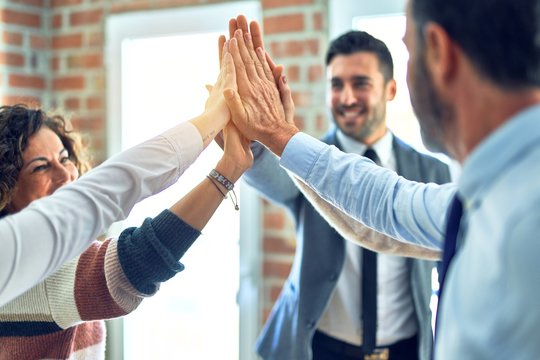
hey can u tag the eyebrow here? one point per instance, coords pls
(42, 158)
(353, 78)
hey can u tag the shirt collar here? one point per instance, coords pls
(494, 155)
(383, 147)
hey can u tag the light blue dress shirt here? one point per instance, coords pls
(490, 307)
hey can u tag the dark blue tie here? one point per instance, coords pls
(369, 287)
(450, 240)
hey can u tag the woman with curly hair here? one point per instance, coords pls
(17, 125)
(62, 317)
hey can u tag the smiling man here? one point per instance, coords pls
(367, 304)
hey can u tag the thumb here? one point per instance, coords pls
(221, 44)
(277, 72)
(234, 103)
(285, 95)
(219, 140)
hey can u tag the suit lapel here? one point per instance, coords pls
(407, 161)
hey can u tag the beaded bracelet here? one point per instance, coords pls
(216, 186)
(221, 179)
(216, 176)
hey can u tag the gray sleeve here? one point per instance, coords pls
(269, 178)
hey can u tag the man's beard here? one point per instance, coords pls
(433, 115)
(372, 123)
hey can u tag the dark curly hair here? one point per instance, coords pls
(17, 124)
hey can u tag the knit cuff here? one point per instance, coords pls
(150, 254)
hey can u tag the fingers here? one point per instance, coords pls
(259, 66)
(256, 34)
(277, 72)
(238, 113)
(230, 71)
(253, 39)
(269, 60)
(285, 95)
(220, 140)
(267, 72)
(247, 58)
(232, 27)
(242, 23)
(239, 23)
(221, 44)
(242, 77)
(224, 48)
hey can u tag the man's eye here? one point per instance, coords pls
(361, 85)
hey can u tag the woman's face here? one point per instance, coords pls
(46, 167)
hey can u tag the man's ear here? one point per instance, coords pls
(441, 55)
(390, 90)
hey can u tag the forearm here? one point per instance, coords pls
(377, 197)
(38, 240)
(355, 231)
(197, 207)
(210, 123)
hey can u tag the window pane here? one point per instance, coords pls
(194, 315)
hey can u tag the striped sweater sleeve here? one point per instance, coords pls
(110, 279)
(150, 254)
(55, 319)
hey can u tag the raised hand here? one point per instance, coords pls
(241, 23)
(237, 155)
(226, 79)
(257, 109)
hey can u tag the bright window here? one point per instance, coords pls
(158, 65)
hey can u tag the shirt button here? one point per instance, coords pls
(310, 324)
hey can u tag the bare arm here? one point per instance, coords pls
(198, 206)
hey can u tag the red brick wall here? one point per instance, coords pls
(296, 36)
(23, 52)
(52, 54)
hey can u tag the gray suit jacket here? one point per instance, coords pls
(320, 254)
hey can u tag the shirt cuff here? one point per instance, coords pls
(301, 153)
(186, 141)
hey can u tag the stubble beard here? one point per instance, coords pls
(433, 115)
(371, 125)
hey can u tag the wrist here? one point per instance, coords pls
(230, 169)
(278, 140)
(210, 123)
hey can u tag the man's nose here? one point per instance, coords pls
(348, 96)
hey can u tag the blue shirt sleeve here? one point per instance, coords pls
(379, 198)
